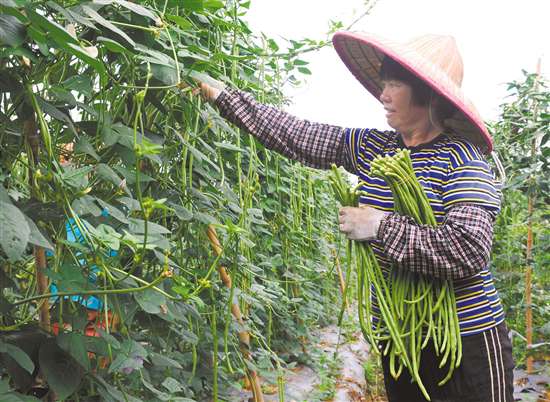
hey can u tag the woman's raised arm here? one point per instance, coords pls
(312, 144)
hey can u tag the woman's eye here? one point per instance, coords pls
(391, 84)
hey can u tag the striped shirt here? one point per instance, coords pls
(458, 182)
(455, 177)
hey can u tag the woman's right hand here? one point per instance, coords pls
(209, 88)
(209, 92)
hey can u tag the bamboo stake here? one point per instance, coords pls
(42, 286)
(244, 336)
(529, 249)
(341, 281)
(30, 133)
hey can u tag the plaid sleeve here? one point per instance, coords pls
(458, 248)
(313, 144)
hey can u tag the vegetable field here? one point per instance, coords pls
(151, 251)
(133, 213)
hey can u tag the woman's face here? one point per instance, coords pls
(401, 112)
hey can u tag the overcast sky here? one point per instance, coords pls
(497, 39)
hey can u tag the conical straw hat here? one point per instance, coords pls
(435, 59)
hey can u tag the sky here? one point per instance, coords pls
(497, 39)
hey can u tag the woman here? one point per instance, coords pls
(418, 84)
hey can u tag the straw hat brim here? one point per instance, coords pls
(363, 53)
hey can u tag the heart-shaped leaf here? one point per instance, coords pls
(60, 369)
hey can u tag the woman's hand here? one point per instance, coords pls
(209, 88)
(360, 223)
(209, 92)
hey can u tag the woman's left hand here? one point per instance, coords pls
(360, 223)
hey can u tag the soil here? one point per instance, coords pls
(302, 382)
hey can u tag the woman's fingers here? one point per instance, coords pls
(345, 224)
(346, 210)
(208, 92)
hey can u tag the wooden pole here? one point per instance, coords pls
(244, 336)
(341, 280)
(31, 135)
(529, 248)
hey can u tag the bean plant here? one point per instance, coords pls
(124, 197)
(522, 139)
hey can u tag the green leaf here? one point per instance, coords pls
(193, 5)
(213, 4)
(8, 3)
(70, 278)
(107, 24)
(56, 31)
(96, 345)
(163, 396)
(79, 83)
(62, 372)
(10, 83)
(108, 236)
(150, 301)
(182, 22)
(112, 45)
(112, 394)
(86, 205)
(40, 38)
(113, 211)
(110, 339)
(63, 96)
(76, 177)
(14, 231)
(138, 226)
(4, 386)
(56, 113)
(160, 360)
(139, 10)
(12, 31)
(17, 397)
(228, 146)
(130, 357)
(189, 337)
(131, 203)
(107, 173)
(79, 52)
(36, 237)
(74, 344)
(181, 212)
(83, 145)
(304, 70)
(130, 176)
(71, 15)
(5, 281)
(172, 385)
(18, 355)
(207, 219)
(165, 74)
(77, 246)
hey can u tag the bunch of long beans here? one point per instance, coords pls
(414, 310)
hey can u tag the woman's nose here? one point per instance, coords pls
(384, 97)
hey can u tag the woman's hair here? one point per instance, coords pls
(422, 94)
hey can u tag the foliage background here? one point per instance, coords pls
(100, 129)
(102, 134)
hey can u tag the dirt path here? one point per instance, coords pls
(302, 383)
(351, 385)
